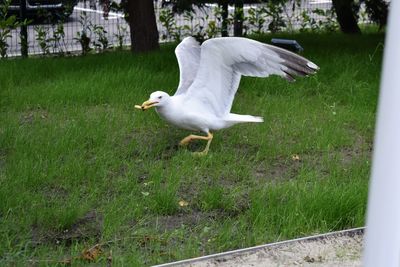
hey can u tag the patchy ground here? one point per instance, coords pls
(85, 228)
(85, 178)
(339, 249)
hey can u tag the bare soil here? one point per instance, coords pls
(338, 249)
(89, 226)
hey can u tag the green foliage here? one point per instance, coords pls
(256, 18)
(120, 35)
(239, 17)
(120, 6)
(202, 29)
(101, 40)
(59, 38)
(7, 24)
(51, 37)
(199, 29)
(84, 35)
(329, 24)
(377, 11)
(218, 14)
(167, 20)
(42, 36)
(212, 29)
(307, 22)
(268, 17)
(274, 10)
(272, 16)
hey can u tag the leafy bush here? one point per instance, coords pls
(167, 20)
(201, 28)
(377, 11)
(58, 38)
(42, 36)
(7, 24)
(120, 35)
(275, 10)
(329, 24)
(101, 41)
(84, 35)
(256, 18)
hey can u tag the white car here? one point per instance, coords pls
(35, 8)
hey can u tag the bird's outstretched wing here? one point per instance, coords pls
(224, 60)
(188, 55)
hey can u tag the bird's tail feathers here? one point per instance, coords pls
(236, 118)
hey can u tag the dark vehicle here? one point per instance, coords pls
(43, 8)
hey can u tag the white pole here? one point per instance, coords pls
(382, 244)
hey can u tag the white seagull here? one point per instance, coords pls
(209, 78)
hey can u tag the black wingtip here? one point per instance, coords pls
(288, 76)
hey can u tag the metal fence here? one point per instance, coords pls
(294, 15)
(100, 31)
(64, 37)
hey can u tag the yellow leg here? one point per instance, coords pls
(192, 137)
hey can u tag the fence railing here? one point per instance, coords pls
(90, 28)
(305, 15)
(86, 28)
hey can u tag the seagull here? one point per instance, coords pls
(209, 79)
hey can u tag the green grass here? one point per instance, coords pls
(80, 166)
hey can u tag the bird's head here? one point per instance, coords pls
(157, 99)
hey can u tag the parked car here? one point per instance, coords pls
(41, 8)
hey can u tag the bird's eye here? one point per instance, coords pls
(159, 97)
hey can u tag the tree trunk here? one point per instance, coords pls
(143, 26)
(238, 18)
(345, 16)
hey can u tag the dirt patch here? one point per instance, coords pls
(30, 116)
(2, 159)
(26, 118)
(120, 171)
(348, 154)
(88, 227)
(130, 137)
(186, 190)
(55, 192)
(239, 201)
(247, 149)
(150, 136)
(190, 219)
(286, 168)
(169, 151)
(280, 169)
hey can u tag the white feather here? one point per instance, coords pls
(224, 60)
(188, 56)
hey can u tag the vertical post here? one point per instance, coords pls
(238, 18)
(224, 26)
(24, 30)
(382, 243)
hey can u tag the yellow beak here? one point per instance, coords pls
(148, 104)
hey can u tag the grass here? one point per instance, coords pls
(80, 166)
